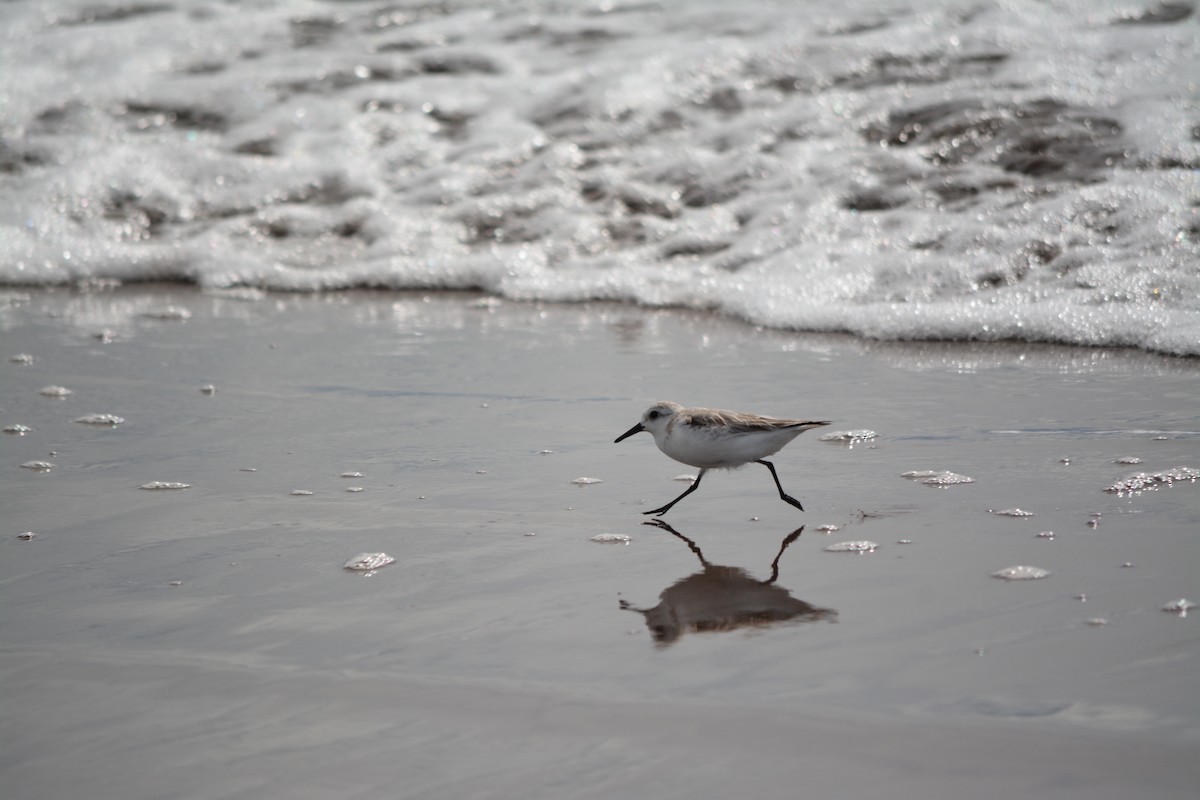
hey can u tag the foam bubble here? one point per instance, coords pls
(848, 437)
(1012, 512)
(1147, 482)
(368, 562)
(1180, 606)
(862, 546)
(103, 420)
(937, 478)
(177, 313)
(612, 538)
(1021, 573)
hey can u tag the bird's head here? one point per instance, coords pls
(654, 419)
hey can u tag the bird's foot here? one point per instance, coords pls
(787, 498)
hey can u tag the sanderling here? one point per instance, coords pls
(709, 438)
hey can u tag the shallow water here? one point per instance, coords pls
(151, 637)
(950, 170)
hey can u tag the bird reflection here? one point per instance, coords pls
(724, 599)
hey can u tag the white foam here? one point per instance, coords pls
(612, 538)
(1021, 573)
(862, 546)
(103, 420)
(368, 562)
(781, 163)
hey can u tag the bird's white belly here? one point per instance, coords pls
(719, 450)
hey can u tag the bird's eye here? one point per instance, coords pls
(652, 415)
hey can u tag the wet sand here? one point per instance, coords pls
(207, 642)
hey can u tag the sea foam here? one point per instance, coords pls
(1006, 171)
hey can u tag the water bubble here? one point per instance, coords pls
(1127, 460)
(612, 538)
(1096, 622)
(354, 489)
(157, 486)
(1181, 606)
(827, 528)
(208, 388)
(168, 313)
(586, 481)
(17, 430)
(1012, 512)
(21, 358)
(27, 536)
(55, 391)
(947, 479)
(685, 478)
(1021, 573)
(931, 477)
(861, 546)
(1143, 482)
(301, 492)
(38, 466)
(109, 420)
(850, 438)
(367, 563)
(1046, 535)
(351, 475)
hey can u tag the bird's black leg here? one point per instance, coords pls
(689, 490)
(784, 496)
(791, 537)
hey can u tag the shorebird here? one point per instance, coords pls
(710, 438)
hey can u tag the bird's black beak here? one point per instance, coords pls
(635, 429)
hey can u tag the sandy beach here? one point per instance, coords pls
(207, 642)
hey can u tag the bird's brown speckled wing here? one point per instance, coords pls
(738, 422)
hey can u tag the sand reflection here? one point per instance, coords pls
(721, 598)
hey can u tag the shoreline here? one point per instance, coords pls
(486, 296)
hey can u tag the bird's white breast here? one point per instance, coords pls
(718, 447)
